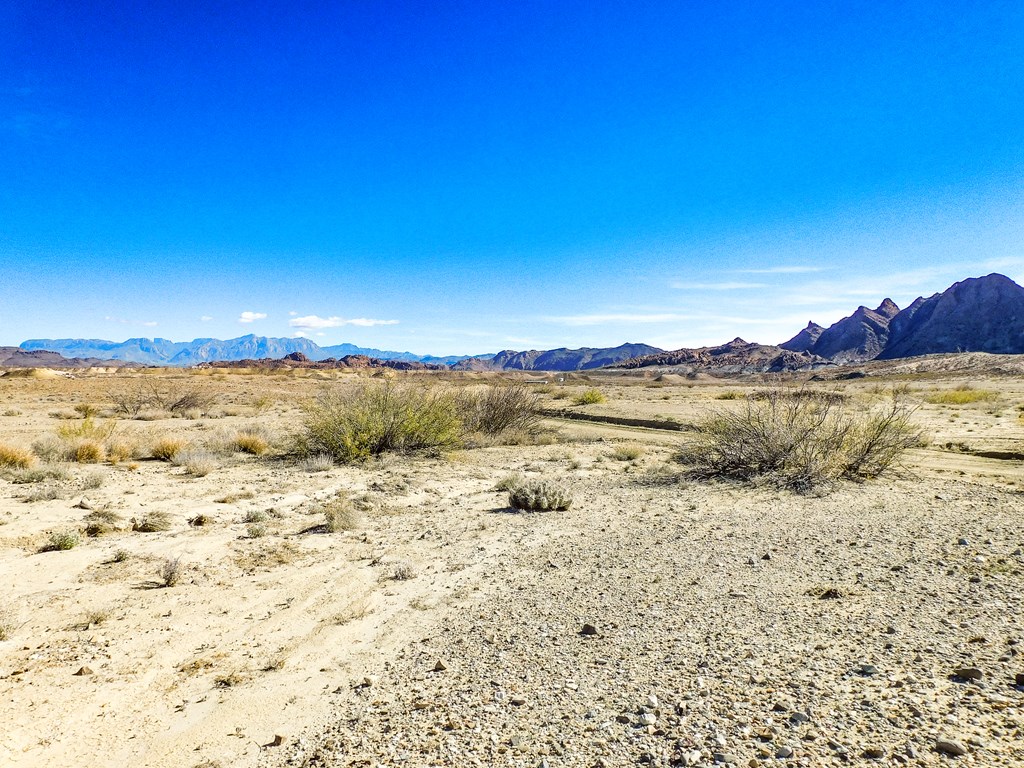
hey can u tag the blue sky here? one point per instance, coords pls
(456, 177)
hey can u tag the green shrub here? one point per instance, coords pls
(589, 397)
(496, 410)
(370, 419)
(962, 395)
(61, 541)
(801, 442)
(539, 496)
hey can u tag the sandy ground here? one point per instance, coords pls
(444, 630)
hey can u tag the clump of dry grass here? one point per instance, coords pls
(195, 463)
(340, 514)
(88, 451)
(166, 448)
(320, 462)
(15, 458)
(627, 452)
(801, 443)
(539, 496)
(403, 571)
(251, 442)
(171, 571)
(60, 541)
(7, 624)
(153, 522)
(100, 522)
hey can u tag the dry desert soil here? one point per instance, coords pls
(659, 621)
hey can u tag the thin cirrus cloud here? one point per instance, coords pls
(248, 317)
(726, 286)
(602, 319)
(795, 269)
(315, 322)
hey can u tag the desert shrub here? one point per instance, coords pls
(508, 482)
(6, 624)
(167, 397)
(122, 449)
(101, 522)
(370, 419)
(627, 452)
(86, 410)
(800, 393)
(255, 516)
(170, 571)
(46, 492)
(495, 410)
(729, 394)
(121, 556)
(37, 475)
(539, 496)
(87, 429)
(195, 463)
(320, 462)
(589, 397)
(50, 448)
(962, 395)
(251, 443)
(90, 481)
(88, 451)
(166, 448)
(801, 443)
(15, 458)
(341, 515)
(61, 541)
(153, 522)
(256, 530)
(403, 571)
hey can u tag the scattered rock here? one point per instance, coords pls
(783, 752)
(588, 629)
(440, 666)
(83, 671)
(968, 673)
(950, 747)
(874, 753)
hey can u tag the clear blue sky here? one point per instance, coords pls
(485, 175)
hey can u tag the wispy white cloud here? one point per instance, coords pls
(619, 318)
(314, 322)
(206, 318)
(248, 317)
(724, 286)
(149, 323)
(794, 269)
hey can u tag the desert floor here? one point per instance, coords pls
(725, 623)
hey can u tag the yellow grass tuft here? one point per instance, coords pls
(15, 458)
(166, 448)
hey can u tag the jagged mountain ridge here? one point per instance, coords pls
(861, 336)
(736, 356)
(185, 353)
(562, 359)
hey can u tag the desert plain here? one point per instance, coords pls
(199, 611)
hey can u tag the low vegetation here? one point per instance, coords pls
(962, 395)
(589, 397)
(358, 422)
(340, 514)
(539, 496)
(800, 442)
(15, 458)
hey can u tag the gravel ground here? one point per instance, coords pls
(663, 623)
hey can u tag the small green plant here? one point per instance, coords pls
(255, 516)
(121, 556)
(61, 541)
(256, 530)
(589, 397)
(87, 410)
(539, 496)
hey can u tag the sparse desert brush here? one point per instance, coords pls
(729, 394)
(498, 410)
(88, 451)
(589, 397)
(627, 452)
(354, 423)
(12, 412)
(508, 482)
(251, 443)
(171, 571)
(539, 496)
(122, 448)
(101, 522)
(195, 463)
(15, 458)
(402, 571)
(60, 541)
(962, 395)
(256, 530)
(90, 481)
(46, 492)
(6, 624)
(37, 475)
(320, 462)
(801, 443)
(87, 429)
(255, 516)
(167, 397)
(153, 522)
(166, 448)
(50, 448)
(120, 556)
(340, 514)
(86, 410)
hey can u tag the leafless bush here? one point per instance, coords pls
(801, 443)
(341, 515)
(496, 410)
(170, 571)
(171, 397)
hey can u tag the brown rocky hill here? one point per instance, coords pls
(737, 356)
(861, 336)
(981, 314)
(562, 359)
(16, 357)
(804, 340)
(299, 360)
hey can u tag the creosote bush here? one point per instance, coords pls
(801, 443)
(589, 397)
(370, 419)
(539, 496)
(496, 410)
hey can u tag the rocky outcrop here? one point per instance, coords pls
(861, 336)
(561, 359)
(804, 340)
(738, 356)
(981, 314)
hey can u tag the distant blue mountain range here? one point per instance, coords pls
(185, 353)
